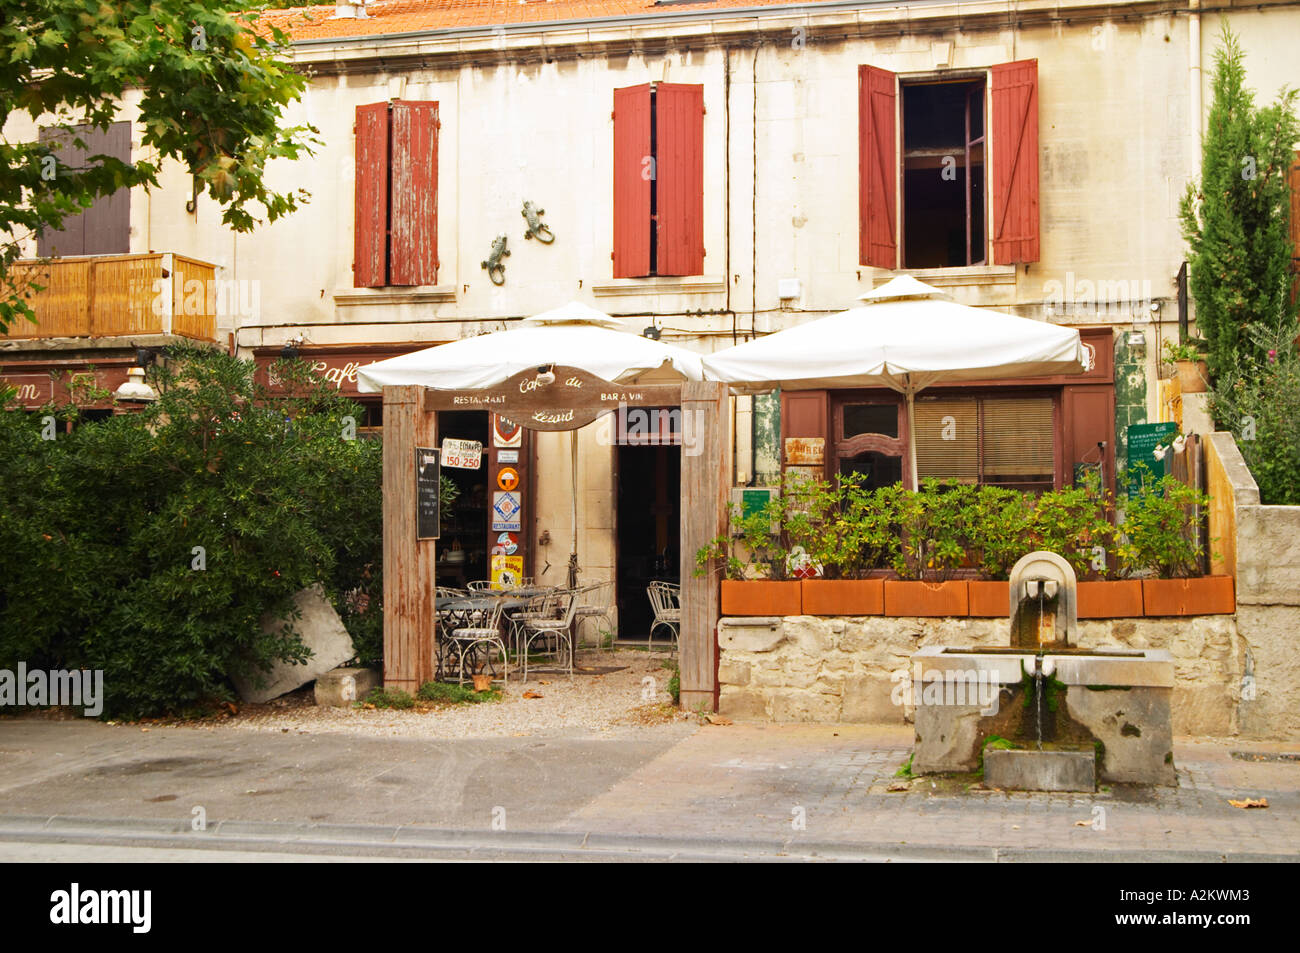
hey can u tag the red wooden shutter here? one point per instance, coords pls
(413, 195)
(877, 168)
(679, 126)
(632, 172)
(1015, 162)
(370, 225)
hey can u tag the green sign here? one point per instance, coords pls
(752, 501)
(1142, 463)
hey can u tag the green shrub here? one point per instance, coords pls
(1158, 530)
(455, 694)
(390, 698)
(1072, 522)
(98, 530)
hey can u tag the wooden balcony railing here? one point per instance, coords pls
(119, 296)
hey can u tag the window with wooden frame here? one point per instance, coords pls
(658, 180)
(395, 229)
(949, 215)
(1005, 440)
(870, 437)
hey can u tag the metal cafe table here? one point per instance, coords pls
(459, 611)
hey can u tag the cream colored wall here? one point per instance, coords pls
(1114, 158)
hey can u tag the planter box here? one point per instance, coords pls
(989, 599)
(1200, 595)
(909, 598)
(843, 596)
(1111, 599)
(760, 597)
(1191, 377)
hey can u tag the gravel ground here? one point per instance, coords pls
(589, 702)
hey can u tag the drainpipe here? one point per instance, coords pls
(1194, 78)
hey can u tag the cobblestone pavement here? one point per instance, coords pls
(831, 784)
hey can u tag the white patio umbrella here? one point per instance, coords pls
(573, 335)
(907, 336)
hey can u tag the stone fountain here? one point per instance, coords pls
(1042, 713)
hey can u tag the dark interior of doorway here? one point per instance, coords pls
(649, 531)
(462, 550)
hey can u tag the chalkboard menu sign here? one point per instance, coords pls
(428, 479)
(1143, 467)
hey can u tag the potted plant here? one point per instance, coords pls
(1188, 359)
(1158, 541)
(754, 564)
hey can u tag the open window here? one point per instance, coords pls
(960, 181)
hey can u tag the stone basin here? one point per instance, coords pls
(1115, 699)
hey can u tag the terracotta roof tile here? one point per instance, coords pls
(403, 16)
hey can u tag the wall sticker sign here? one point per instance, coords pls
(508, 478)
(507, 456)
(505, 432)
(505, 512)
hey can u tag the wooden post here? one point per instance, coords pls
(409, 565)
(705, 479)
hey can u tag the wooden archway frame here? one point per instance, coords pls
(574, 399)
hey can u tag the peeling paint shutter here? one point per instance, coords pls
(370, 225)
(877, 168)
(1015, 162)
(679, 125)
(632, 171)
(413, 194)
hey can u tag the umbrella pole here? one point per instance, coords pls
(573, 513)
(911, 437)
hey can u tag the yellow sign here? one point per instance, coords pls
(507, 571)
(508, 478)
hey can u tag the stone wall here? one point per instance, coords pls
(809, 668)
(1266, 557)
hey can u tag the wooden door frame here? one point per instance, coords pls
(410, 420)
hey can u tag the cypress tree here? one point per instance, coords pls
(1236, 220)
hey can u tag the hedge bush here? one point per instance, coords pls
(99, 528)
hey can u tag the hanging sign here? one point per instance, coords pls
(505, 512)
(463, 454)
(565, 398)
(505, 433)
(508, 478)
(428, 480)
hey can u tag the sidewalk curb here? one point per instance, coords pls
(443, 843)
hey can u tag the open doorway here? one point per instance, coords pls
(462, 550)
(649, 531)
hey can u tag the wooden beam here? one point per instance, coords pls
(409, 565)
(705, 479)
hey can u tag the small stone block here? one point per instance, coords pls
(340, 687)
(1033, 770)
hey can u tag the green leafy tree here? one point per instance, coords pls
(1236, 219)
(151, 545)
(209, 89)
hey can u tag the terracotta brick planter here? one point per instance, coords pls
(909, 598)
(989, 599)
(843, 596)
(1110, 599)
(1201, 595)
(760, 597)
